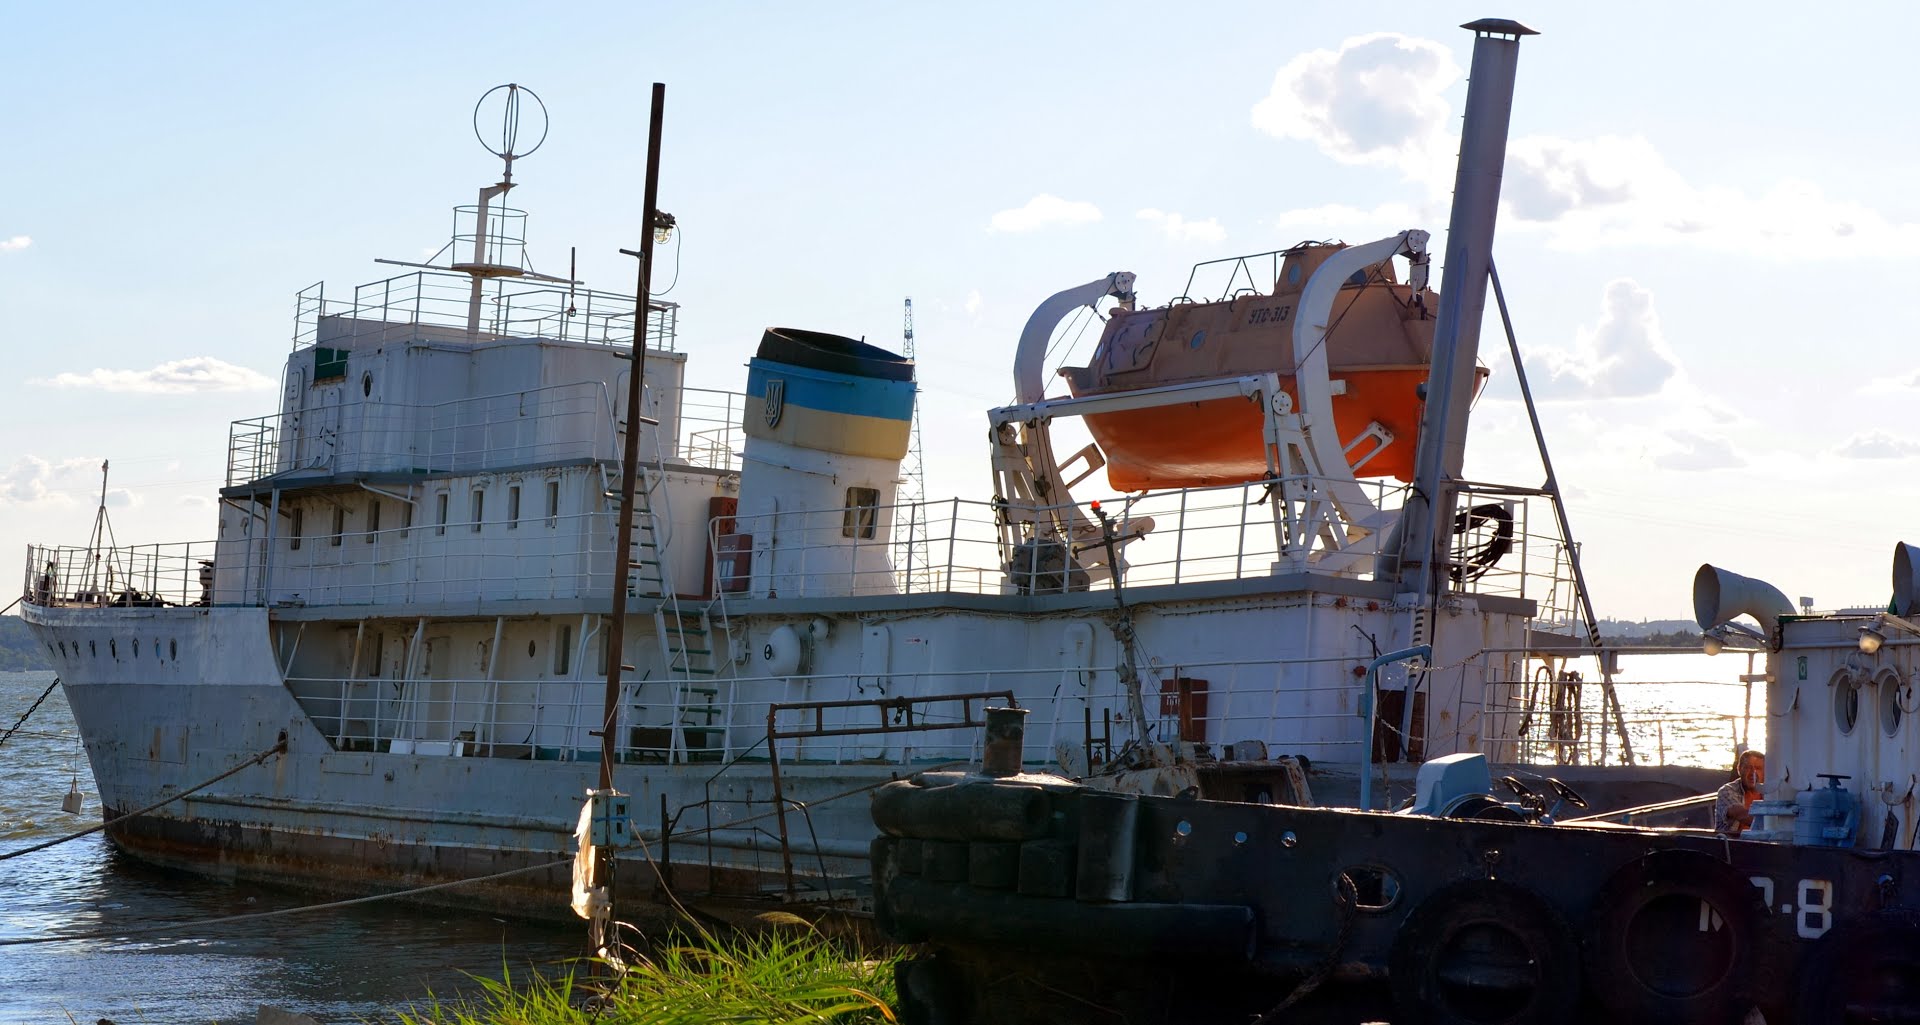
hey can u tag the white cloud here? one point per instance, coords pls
(1376, 101)
(1623, 355)
(179, 377)
(972, 305)
(1180, 229)
(16, 242)
(1698, 452)
(1878, 444)
(32, 479)
(1045, 210)
(1616, 190)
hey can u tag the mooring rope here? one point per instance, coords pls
(278, 748)
(22, 721)
(107, 934)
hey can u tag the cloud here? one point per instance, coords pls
(32, 479)
(1375, 101)
(16, 242)
(1617, 190)
(972, 305)
(1624, 355)
(1698, 452)
(1045, 210)
(179, 377)
(1180, 229)
(1878, 444)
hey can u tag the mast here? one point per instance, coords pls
(1463, 300)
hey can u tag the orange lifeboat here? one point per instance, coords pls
(1379, 344)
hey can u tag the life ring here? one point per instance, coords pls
(1483, 952)
(1672, 939)
(1865, 969)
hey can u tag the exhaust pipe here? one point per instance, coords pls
(1719, 596)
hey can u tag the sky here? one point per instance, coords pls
(1702, 236)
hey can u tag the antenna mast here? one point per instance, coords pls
(913, 480)
(486, 263)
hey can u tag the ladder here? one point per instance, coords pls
(684, 633)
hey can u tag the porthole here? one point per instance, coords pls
(366, 383)
(1891, 693)
(1846, 702)
(136, 647)
(93, 649)
(529, 649)
(1183, 828)
(1293, 274)
(173, 649)
(63, 649)
(49, 649)
(156, 647)
(1199, 338)
(113, 649)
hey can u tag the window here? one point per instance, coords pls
(479, 508)
(379, 650)
(553, 503)
(562, 648)
(863, 513)
(339, 525)
(513, 507)
(298, 527)
(406, 518)
(440, 507)
(373, 519)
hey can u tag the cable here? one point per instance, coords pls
(279, 748)
(144, 930)
(679, 240)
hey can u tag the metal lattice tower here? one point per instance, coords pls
(910, 514)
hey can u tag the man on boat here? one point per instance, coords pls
(1730, 814)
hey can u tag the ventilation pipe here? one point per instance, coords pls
(1719, 596)
(1906, 579)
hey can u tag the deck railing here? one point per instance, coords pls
(435, 305)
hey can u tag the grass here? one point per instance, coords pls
(774, 978)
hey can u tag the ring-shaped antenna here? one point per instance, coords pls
(510, 122)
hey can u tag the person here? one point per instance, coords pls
(1730, 814)
(43, 588)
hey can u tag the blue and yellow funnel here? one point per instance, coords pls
(819, 391)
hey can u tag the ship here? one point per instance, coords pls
(459, 574)
(1033, 896)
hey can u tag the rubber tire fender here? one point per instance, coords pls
(1417, 970)
(1876, 957)
(1658, 877)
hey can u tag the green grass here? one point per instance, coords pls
(774, 979)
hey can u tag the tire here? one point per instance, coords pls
(1864, 970)
(1673, 940)
(1483, 952)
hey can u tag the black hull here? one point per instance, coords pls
(1156, 909)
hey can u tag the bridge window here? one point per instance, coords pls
(339, 525)
(440, 513)
(513, 507)
(373, 519)
(299, 527)
(553, 503)
(562, 648)
(479, 508)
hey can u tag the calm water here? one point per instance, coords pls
(339, 966)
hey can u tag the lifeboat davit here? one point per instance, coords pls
(1379, 344)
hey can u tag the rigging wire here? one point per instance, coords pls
(278, 748)
(108, 934)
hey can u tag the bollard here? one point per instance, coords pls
(1006, 736)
